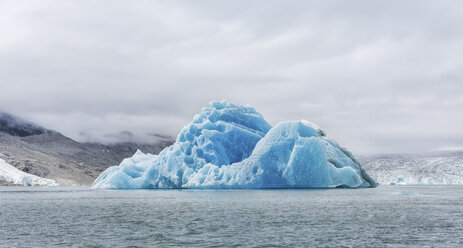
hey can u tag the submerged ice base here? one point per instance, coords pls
(232, 146)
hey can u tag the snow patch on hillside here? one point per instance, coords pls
(9, 173)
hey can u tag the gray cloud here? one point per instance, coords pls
(377, 76)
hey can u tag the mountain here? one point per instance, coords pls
(16, 126)
(430, 168)
(49, 154)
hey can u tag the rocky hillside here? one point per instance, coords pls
(49, 154)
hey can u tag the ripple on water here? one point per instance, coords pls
(78, 217)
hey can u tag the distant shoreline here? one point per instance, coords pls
(5, 183)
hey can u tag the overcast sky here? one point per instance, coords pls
(377, 76)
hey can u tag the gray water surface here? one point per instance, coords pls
(387, 216)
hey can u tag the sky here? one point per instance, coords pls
(377, 76)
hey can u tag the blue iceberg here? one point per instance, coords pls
(232, 146)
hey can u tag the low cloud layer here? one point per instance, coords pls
(379, 77)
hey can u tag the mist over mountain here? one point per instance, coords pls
(16, 126)
(49, 154)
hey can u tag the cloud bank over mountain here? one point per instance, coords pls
(378, 76)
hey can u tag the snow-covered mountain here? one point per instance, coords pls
(46, 153)
(431, 168)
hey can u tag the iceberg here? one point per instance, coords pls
(232, 146)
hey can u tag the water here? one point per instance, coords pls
(387, 216)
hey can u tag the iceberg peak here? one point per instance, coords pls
(232, 146)
(139, 153)
(314, 126)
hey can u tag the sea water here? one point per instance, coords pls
(387, 216)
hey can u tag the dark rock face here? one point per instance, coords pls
(17, 127)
